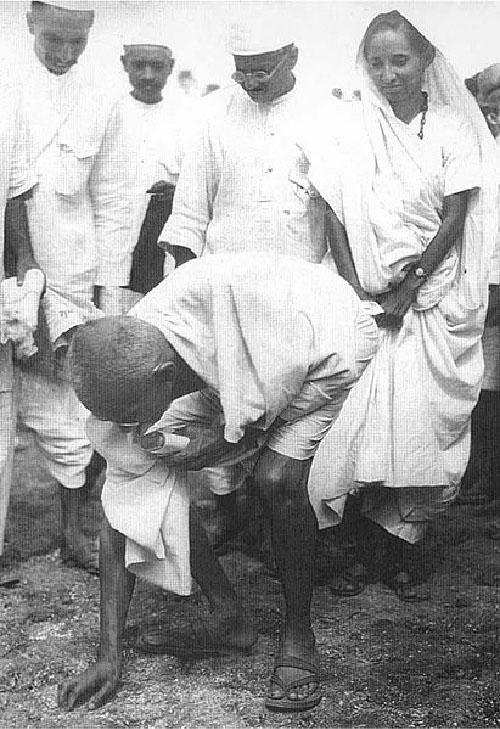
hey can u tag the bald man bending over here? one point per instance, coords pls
(273, 345)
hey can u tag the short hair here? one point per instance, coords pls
(393, 20)
(110, 358)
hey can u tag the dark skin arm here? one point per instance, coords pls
(99, 682)
(181, 255)
(341, 252)
(493, 314)
(17, 236)
(398, 300)
(207, 447)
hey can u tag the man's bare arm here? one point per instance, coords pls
(99, 682)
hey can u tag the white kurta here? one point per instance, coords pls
(243, 184)
(78, 204)
(77, 207)
(149, 140)
(15, 178)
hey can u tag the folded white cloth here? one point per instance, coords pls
(147, 502)
(19, 311)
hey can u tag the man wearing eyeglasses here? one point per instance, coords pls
(243, 185)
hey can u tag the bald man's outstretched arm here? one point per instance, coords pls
(99, 682)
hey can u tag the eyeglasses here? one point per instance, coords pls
(261, 77)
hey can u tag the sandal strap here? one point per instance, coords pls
(301, 664)
(287, 686)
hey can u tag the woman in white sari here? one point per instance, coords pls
(412, 222)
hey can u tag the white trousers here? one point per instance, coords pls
(51, 410)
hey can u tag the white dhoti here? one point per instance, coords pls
(148, 501)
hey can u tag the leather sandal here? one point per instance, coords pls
(286, 704)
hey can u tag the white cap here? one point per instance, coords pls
(253, 41)
(83, 6)
(145, 36)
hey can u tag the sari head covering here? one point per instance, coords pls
(372, 144)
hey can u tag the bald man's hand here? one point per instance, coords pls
(96, 685)
(207, 447)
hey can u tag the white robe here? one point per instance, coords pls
(223, 315)
(149, 140)
(78, 202)
(243, 184)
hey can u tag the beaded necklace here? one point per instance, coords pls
(423, 111)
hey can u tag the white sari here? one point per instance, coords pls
(405, 424)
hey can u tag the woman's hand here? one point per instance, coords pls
(396, 303)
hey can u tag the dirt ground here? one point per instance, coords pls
(384, 663)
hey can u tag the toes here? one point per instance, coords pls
(276, 694)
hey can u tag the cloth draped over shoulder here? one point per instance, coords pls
(269, 335)
(406, 422)
(230, 322)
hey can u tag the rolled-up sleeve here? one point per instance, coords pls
(194, 195)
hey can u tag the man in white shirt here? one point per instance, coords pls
(265, 404)
(77, 209)
(243, 184)
(16, 183)
(149, 142)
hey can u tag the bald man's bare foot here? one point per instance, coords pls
(78, 550)
(218, 636)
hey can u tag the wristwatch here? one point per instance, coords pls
(420, 273)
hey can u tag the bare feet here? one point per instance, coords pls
(79, 550)
(235, 630)
(223, 635)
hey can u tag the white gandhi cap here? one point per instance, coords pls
(82, 6)
(145, 36)
(253, 41)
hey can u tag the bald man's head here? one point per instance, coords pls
(122, 369)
